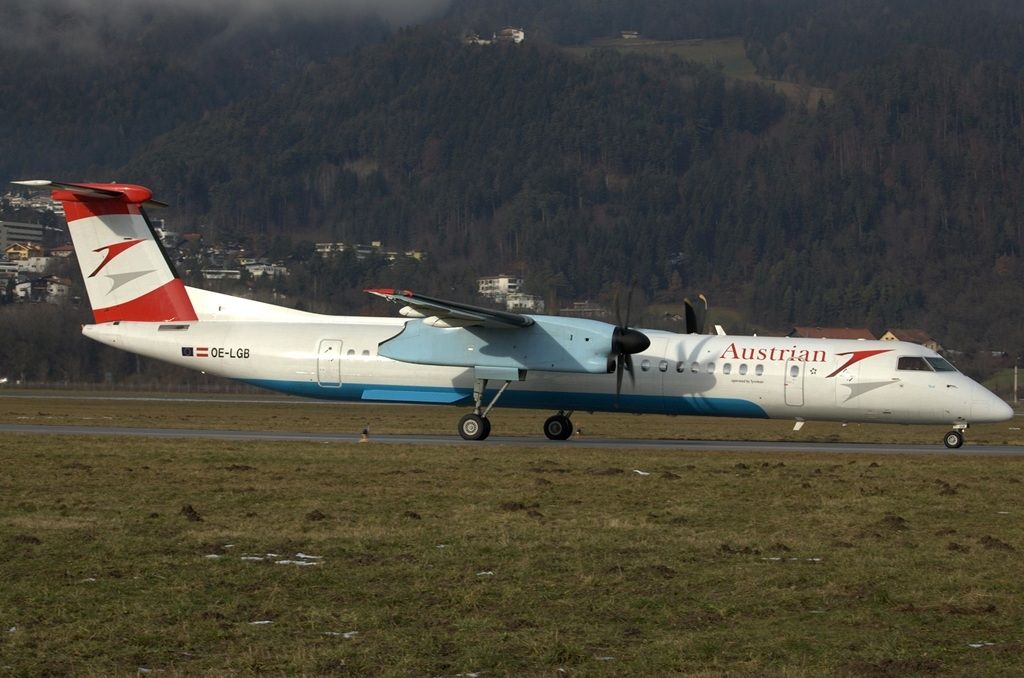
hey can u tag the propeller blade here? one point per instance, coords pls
(629, 366)
(618, 379)
(696, 315)
(626, 342)
(701, 311)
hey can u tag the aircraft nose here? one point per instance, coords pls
(990, 409)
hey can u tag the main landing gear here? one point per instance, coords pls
(955, 438)
(558, 427)
(476, 425)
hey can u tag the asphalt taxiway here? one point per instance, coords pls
(520, 441)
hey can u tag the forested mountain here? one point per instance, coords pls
(894, 199)
(83, 85)
(897, 203)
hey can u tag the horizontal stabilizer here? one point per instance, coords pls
(127, 192)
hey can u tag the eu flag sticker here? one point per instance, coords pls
(186, 351)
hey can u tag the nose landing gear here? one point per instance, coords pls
(955, 438)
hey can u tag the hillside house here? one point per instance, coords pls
(258, 270)
(914, 336)
(34, 264)
(585, 309)
(498, 287)
(329, 249)
(8, 269)
(518, 302)
(510, 34)
(807, 332)
(21, 251)
(50, 289)
(221, 274)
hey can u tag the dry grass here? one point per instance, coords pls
(713, 564)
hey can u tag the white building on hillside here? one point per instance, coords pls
(498, 287)
(517, 302)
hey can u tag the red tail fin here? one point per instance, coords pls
(127, 273)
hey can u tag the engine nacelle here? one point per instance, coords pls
(550, 344)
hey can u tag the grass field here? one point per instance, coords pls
(123, 555)
(728, 54)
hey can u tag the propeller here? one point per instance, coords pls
(696, 315)
(626, 342)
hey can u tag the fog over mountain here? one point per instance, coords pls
(69, 25)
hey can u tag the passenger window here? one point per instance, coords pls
(645, 364)
(351, 351)
(711, 368)
(759, 370)
(794, 371)
(695, 368)
(663, 365)
(680, 366)
(727, 368)
(366, 352)
(743, 368)
(913, 362)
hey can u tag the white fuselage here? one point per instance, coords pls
(336, 357)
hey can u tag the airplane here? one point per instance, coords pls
(449, 353)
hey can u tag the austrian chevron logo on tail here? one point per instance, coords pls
(112, 251)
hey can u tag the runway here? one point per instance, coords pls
(521, 441)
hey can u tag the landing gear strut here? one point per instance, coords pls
(477, 426)
(558, 427)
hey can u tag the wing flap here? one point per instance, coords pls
(458, 314)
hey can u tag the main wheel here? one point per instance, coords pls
(954, 439)
(474, 427)
(558, 427)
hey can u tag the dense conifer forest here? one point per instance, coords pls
(891, 196)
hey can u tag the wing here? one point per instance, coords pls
(441, 313)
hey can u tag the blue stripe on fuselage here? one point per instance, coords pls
(552, 400)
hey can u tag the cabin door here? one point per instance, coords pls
(328, 363)
(794, 383)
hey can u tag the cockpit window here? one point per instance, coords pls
(913, 362)
(940, 365)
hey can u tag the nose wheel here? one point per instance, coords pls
(558, 427)
(954, 439)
